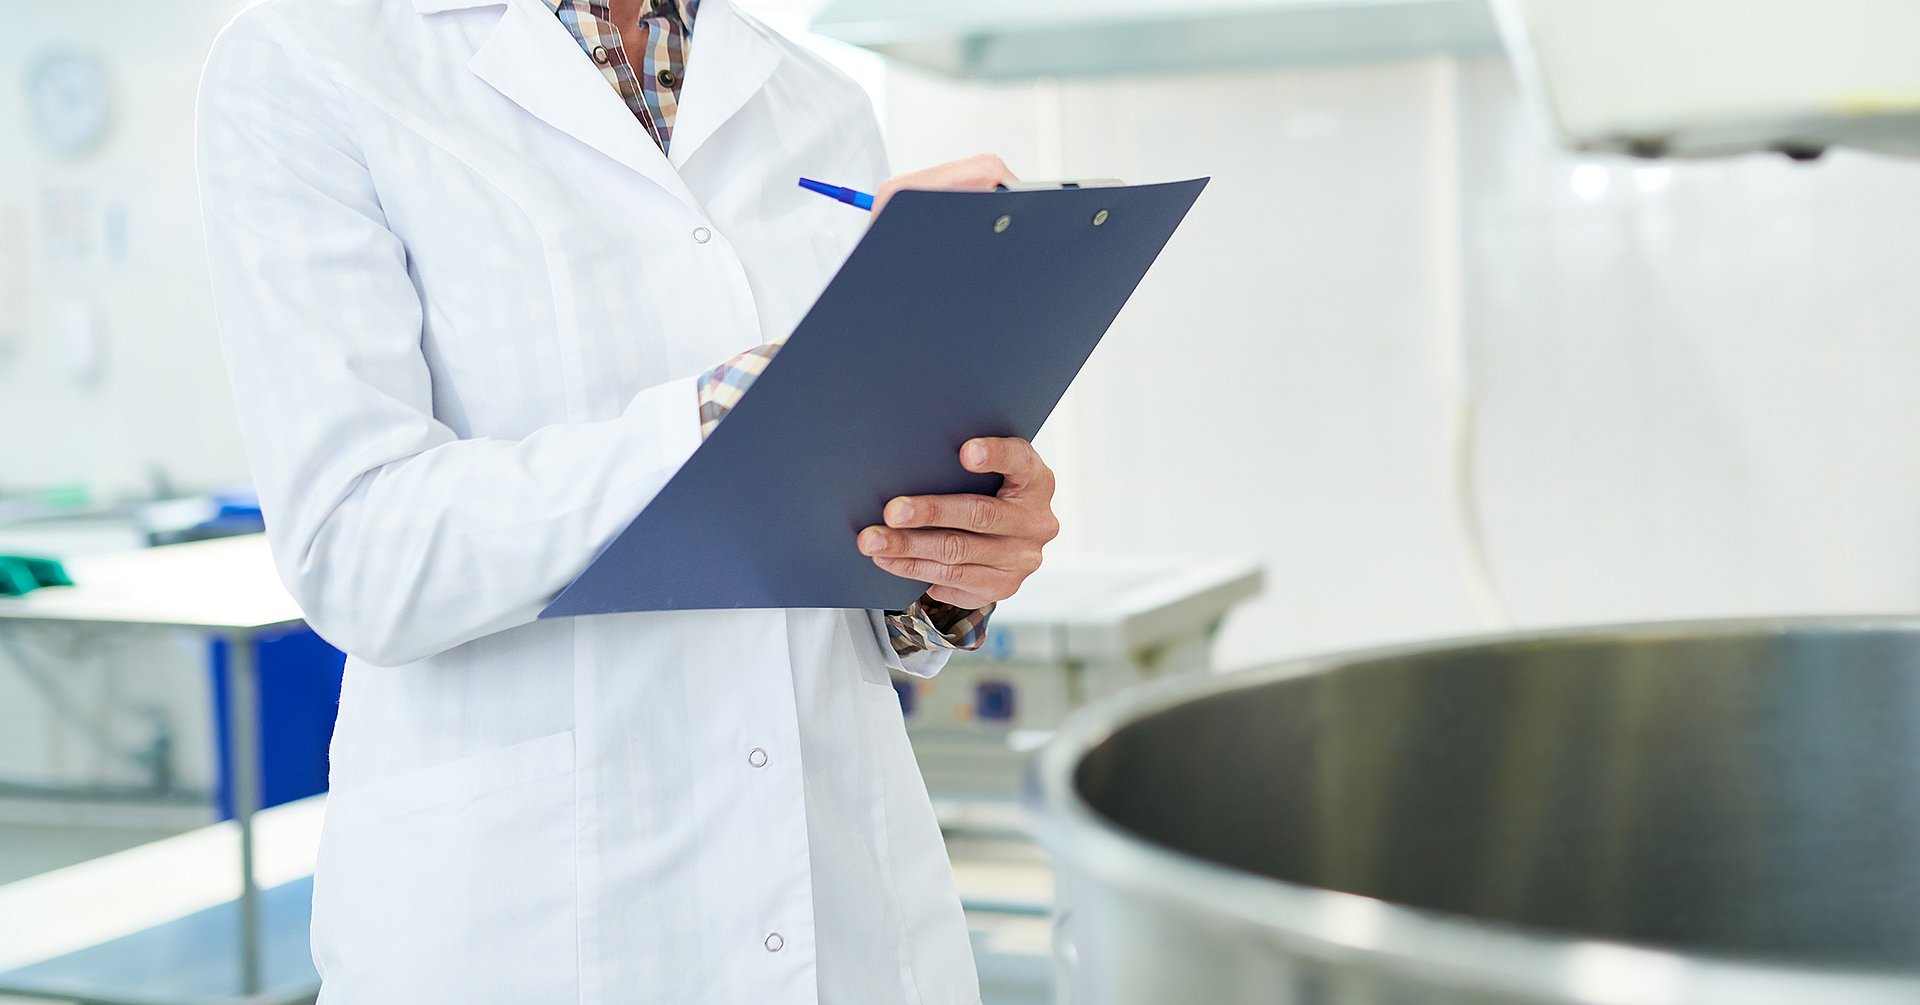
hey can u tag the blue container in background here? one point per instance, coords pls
(299, 696)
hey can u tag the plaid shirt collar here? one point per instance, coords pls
(685, 8)
(644, 62)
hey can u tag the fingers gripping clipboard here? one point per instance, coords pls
(959, 314)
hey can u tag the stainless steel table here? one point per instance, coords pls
(229, 590)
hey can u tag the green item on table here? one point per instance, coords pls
(23, 574)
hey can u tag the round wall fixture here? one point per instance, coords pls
(68, 99)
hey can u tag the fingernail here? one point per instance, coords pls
(976, 452)
(871, 541)
(899, 510)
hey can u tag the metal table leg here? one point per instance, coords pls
(243, 744)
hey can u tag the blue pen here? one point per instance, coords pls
(849, 196)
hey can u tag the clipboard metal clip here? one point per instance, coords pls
(1043, 186)
(1000, 225)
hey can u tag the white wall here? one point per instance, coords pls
(115, 232)
(1702, 386)
(1695, 400)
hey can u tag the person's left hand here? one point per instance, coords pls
(974, 550)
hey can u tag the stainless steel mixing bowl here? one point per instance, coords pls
(1692, 813)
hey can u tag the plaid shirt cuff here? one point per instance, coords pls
(722, 386)
(930, 624)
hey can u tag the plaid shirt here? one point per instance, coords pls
(652, 90)
(653, 93)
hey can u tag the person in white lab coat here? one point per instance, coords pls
(482, 268)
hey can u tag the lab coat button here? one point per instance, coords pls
(774, 942)
(757, 757)
(702, 235)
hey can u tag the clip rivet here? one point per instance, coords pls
(1099, 218)
(1000, 226)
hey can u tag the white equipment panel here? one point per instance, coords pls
(1079, 629)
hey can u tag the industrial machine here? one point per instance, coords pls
(1658, 78)
(1693, 814)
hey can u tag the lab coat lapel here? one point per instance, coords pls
(729, 61)
(532, 59)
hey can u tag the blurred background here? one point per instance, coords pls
(1408, 371)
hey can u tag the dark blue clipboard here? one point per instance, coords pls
(943, 325)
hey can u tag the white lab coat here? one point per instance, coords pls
(464, 298)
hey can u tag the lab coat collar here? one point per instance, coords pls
(534, 61)
(728, 62)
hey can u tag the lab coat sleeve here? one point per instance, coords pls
(399, 539)
(926, 662)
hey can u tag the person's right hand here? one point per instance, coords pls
(979, 173)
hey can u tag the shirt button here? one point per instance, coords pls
(702, 235)
(600, 54)
(666, 78)
(757, 757)
(774, 942)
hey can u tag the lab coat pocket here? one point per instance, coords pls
(834, 227)
(833, 240)
(455, 883)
